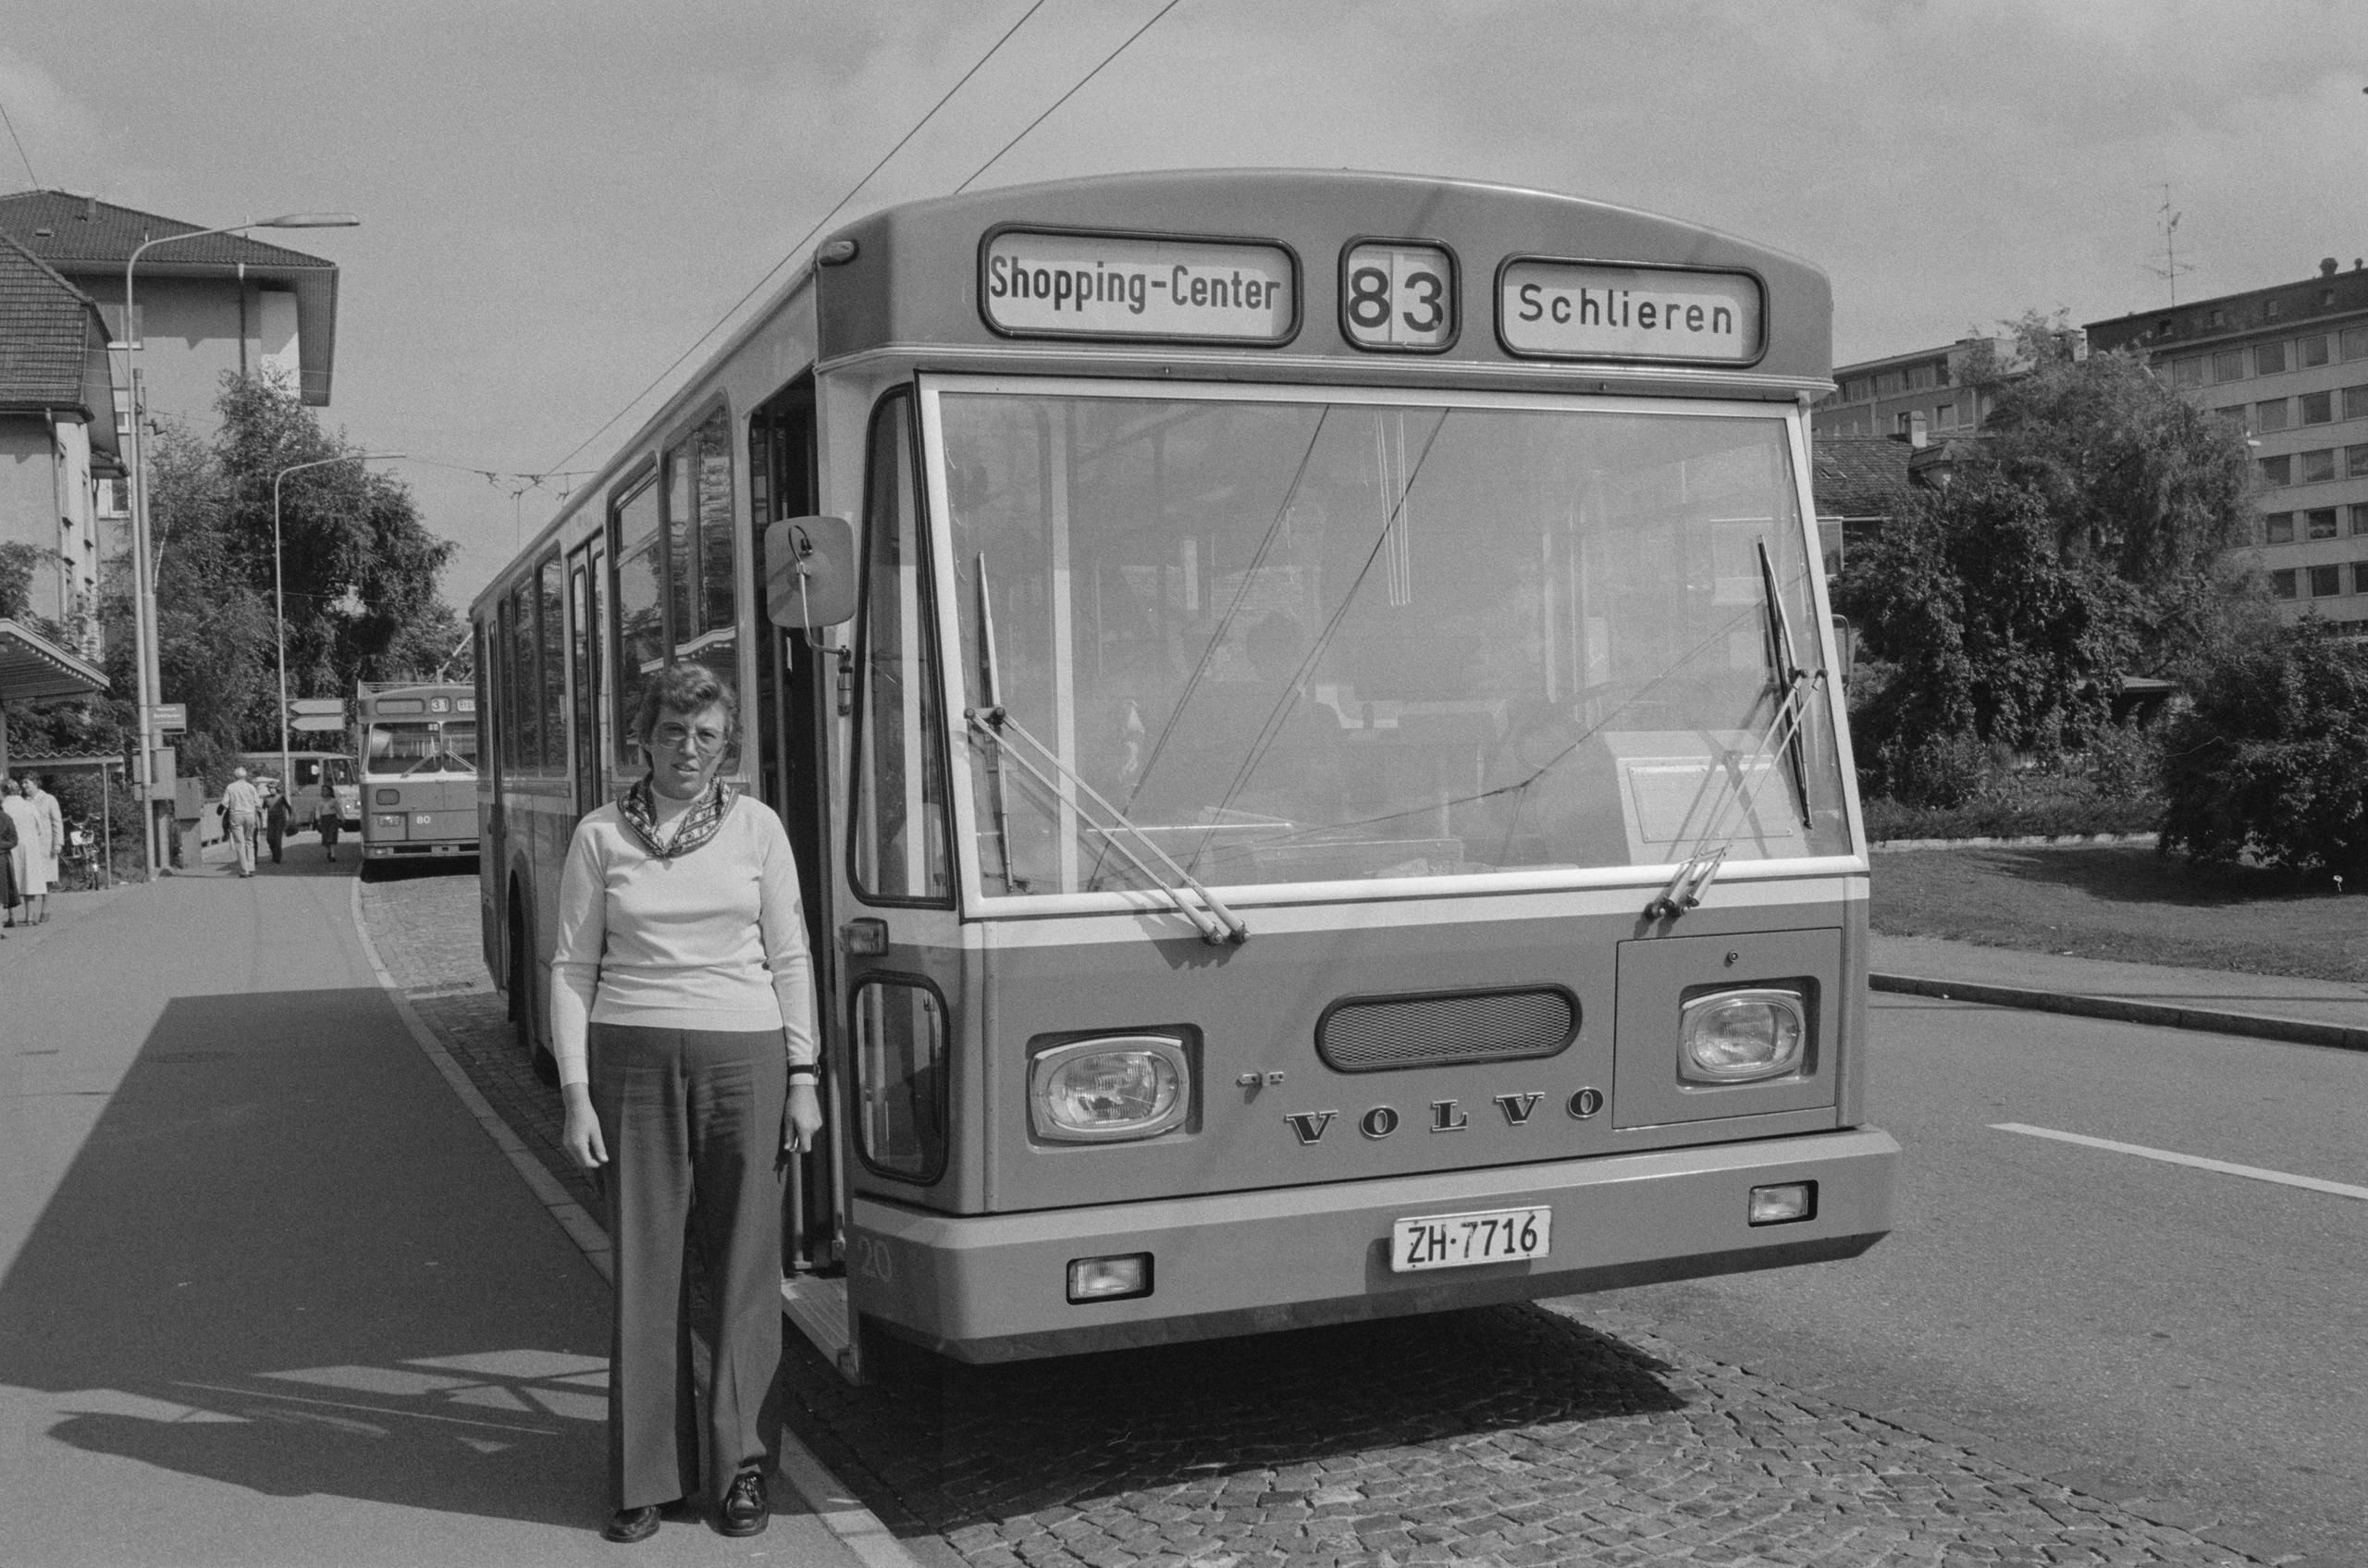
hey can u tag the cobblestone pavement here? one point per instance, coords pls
(1514, 1435)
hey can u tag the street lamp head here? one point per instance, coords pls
(310, 220)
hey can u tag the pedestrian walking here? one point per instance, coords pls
(28, 861)
(242, 815)
(683, 1018)
(277, 815)
(327, 817)
(51, 847)
(8, 899)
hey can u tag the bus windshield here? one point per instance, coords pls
(1307, 637)
(404, 748)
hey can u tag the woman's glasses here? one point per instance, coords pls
(673, 736)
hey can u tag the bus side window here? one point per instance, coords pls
(899, 846)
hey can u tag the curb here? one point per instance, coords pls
(2021, 841)
(2256, 1026)
(840, 1510)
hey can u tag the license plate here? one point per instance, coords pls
(1458, 1241)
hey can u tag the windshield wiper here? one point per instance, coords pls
(1218, 926)
(1794, 686)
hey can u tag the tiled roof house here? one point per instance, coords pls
(57, 438)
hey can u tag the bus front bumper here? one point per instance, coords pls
(995, 1287)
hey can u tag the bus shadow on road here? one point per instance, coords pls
(286, 1260)
(941, 1446)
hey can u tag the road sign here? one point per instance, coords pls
(304, 705)
(169, 715)
(319, 723)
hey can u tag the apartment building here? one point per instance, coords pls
(2288, 364)
(1892, 396)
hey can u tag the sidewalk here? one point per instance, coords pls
(2309, 1012)
(271, 1295)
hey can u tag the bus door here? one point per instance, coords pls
(788, 742)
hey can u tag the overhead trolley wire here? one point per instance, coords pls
(791, 255)
(30, 177)
(1069, 94)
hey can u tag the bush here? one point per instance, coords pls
(2272, 762)
(2029, 807)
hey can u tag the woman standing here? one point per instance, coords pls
(682, 1019)
(329, 816)
(8, 899)
(27, 859)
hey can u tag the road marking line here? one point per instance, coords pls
(841, 1512)
(2251, 1172)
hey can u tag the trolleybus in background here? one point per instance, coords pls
(417, 743)
(1321, 796)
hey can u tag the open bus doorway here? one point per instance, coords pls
(789, 735)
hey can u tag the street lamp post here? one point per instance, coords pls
(279, 601)
(144, 565)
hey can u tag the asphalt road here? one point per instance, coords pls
(2168, 1331)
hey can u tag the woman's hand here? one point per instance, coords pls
(803, 1120)
(581, 1138)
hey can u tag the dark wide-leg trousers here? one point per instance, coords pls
(693, 1123)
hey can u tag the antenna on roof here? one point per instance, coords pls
(2168, 222)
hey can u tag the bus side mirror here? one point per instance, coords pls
(810, 573)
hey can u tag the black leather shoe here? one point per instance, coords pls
(627, 1526)
(745, 1509)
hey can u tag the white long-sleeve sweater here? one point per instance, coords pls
(712, 940)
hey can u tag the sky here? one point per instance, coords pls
(558, 197)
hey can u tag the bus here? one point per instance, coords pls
(417, 742)
(1301, 704)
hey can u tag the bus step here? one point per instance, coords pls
(818, 1308)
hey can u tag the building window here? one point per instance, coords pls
(2355, 462)
(2228, 364)
(1858, 389)
(1919, 377)
(2355, 402)
(2354, 342)
(1945, 418)
(2318, 408)
(2319, 522)
(2276, 471)
(2238, 417)
(1886, 383)
(2270, 415)
(2219, 318)
(2317, 467)
(2359, 519)
(2187, 372)
(2359, 577)
(2277, 528)
(2325, 581)
(2269, 358)
(2312, 349)
(2281, 583)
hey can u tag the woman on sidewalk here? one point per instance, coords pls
(8, 899)
(26, 858)
(682, 1019)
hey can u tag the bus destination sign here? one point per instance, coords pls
(1582, 310)
(1036, 284)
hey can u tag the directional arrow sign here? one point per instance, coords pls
(317, 724)
(304, 705)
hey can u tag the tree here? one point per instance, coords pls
(2083, 535)
(358, 569)
(2273, 758)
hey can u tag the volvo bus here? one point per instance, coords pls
(417, 743)
(1301, 701)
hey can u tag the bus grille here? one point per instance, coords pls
(1378, 1033)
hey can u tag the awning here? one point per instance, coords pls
(32, 668)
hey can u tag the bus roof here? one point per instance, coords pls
(918, 274)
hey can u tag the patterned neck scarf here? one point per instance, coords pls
(699, 824)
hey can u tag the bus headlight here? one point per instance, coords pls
(1742, 1036)
(1103, 1091)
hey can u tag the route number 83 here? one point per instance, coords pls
(1398, 297)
